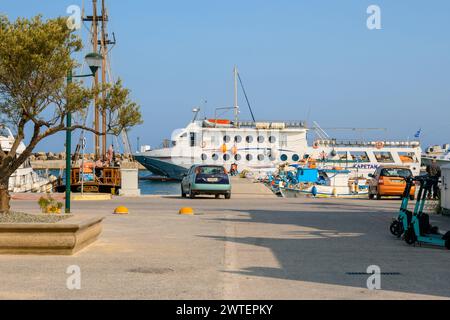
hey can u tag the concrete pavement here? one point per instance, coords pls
(243, 248)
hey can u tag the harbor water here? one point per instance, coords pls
(147, 185)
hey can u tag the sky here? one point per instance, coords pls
(298, 59)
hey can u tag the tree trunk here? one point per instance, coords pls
(4, 198)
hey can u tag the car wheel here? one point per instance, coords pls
(371, 196)
(217, 196)
(228, 195)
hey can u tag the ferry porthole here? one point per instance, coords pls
(226, 157)
(215, 157)
(260, 139)
(260, 157)
(249, 139)
(249, 157)
(316, 145)
(295, 157)
(272, 139)
(237, 139)
(284, 157)
(237, 157)
(226, 139)
(204, 157)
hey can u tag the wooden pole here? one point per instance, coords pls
(104, 81)
(96, 110)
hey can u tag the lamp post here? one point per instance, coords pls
(94, 61)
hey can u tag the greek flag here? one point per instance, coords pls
(418, 133)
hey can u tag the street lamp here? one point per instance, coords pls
(94, 61)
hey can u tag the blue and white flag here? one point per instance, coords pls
(418, 133)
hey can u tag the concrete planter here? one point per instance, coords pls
(61, 238)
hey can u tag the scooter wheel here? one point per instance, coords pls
(410, 237)
(396, 228)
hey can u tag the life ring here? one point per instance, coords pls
(316, 145)
(379, 144)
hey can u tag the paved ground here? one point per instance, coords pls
(244, 248)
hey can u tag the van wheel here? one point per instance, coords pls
(228, 195)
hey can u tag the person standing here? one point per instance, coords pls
(434, 171)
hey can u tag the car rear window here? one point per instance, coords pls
(210, 170)
(396, 172)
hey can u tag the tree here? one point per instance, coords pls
(35, 58)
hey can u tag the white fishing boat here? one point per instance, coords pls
(332, 183)
(259, 146)
(439, 153)
(24, 179)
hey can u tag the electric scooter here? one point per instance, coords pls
(420, 230)
(399, 225)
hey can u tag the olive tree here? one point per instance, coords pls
(35, 58)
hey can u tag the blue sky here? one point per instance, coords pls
(297, 58)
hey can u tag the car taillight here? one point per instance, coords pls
(381, 181)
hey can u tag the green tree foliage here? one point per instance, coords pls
(35, 58)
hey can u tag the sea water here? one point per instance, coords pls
(146, 185)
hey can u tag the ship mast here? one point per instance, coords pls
(236, 107)
(103, 42)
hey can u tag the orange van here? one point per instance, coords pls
(389, 181)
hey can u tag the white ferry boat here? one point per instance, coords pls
(24, 179)
(439, 153)
(260, 146)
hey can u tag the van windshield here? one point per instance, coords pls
(210, 170)
(396, 172)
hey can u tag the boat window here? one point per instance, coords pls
(237, 157)
(359, 156)
(237, 139)
(174, 143)
(261, 139)
(215, 157)
(260, 157)
(272, 139)
(407, 157)
(226, 139)
(342, 155)
(295, 157)
(383, 156)
(226, 157)
(284, 157)
(184, 135)
(249, 139)
(192, 138)
(249, 157)
(204, 157)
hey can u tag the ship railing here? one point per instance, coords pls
(362, 143)
(272, 124)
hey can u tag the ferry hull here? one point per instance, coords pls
(162, 167)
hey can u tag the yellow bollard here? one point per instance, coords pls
(186, 211)
(121, 210)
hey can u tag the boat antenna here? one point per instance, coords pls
(236, 107)
(246, 98)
